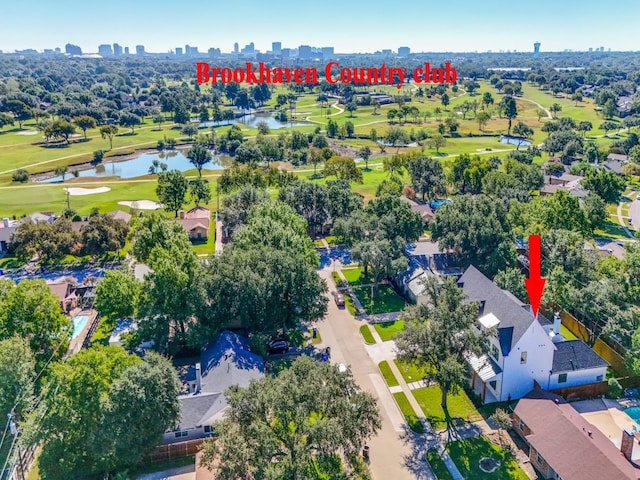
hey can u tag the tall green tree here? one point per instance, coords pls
(296, 425)
(17, 373)
(199, 156)
(343, 168)
(109, 131)
(85, 122)
(172, 190)
(310, 200)
(510, 110)
(606, 184)
(117, 295)
(200, 191)
(440, 335)
(427, 177)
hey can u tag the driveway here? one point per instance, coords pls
(634, 211)
(394, 453)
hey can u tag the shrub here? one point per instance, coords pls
(20, 175)
(615, 389)
(98, 155)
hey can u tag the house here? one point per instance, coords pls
(611, 248)
(66, 295)
(7, 228)
(615, 162)
(563, 445)
(523, 350)
(624, 104)
(120, 215)
(225, 363)
(565, 181)
(196, 222)
(424, 209)
(425, 259)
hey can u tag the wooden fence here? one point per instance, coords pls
(175, 450)
(580, 392)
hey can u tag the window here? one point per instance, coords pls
(493, 385)
(183, 433)
(562, 378)
(208, 429)
(539, 458)
(494, 352)
(521, 425)
(523, 357)
(599, 378)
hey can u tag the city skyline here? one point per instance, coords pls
(493, 25)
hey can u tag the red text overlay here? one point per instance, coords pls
(333, 72)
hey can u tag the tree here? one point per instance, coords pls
(609, 108)
(540, 113)
(427, 177)
(172, 189)
(595, 209)
(189, 130)
(437, 142)
(50, 242)
(512, 279)
(482, 118)
(128, 119)
(555, 109)
(110, 408)
(263, 128)
(109, 131)
(159, 119)
(584, 127)
(19, 109)
(103, 233)
(17, 373)
(607, 126)
(309, 200)
(444, 99)
(501, 418)
(269, 433)
(351, 107)
(344, 168)
(332, 128)
(117, 296)
(62, 129)
(365, 153)
(487, 99)
(199, 156)
(236, 207)
(156, 232)
(478, 229)
(468, 172)
(5, 120)
(390, 217)
(84, 122)
(396, 137)
(61, 171)
(349, 128)
(510, 110)
(342, 201)
(380, 259)
(32, 312)
(606, 184)
(200, 191)
(440, 336)
(249, 154)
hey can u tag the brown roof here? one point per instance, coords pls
(198, 212)
(575, 449)
(120, 215)
(59, 289)
(190, 223)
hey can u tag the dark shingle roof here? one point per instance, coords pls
(195, 408)
(514, 320)
(575, 355)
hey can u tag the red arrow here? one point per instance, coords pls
(534, 284)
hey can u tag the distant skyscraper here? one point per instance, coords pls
(214, 52)
(590, 49)
(190, 51)
(236, 48)
(536, 49)
(276, 48)
(117, 49)
(249, 49)
(304, 52)
(140, 50)
(105, 50)
(178, 51)
(404, 51)
(72, 49)
(327, 52)
(126, 50)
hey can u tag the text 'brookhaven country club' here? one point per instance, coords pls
(333, 73)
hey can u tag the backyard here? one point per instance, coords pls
(468, 452)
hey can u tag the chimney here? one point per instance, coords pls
(181, 214)
(198, 378)
(5, 221)
(626, 447)
(556, 323)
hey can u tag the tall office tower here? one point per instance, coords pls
(140, 50)
(276, 48)
(404, 51)
(105, 50)
(178, 51)
(304, 52)
(536, 49)
(117, 49)
(236, 48)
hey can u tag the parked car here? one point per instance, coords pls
(278, 345)
(339, 299)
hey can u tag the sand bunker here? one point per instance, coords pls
(141, 204)
(86, 191)
(28, 132)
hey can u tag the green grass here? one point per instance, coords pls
(318, 338)
(566, 333)
(366, 334)
(385, 300)
(437, 465)
(409, 414)
(355, 276)
(388, 375)
(410, 372)
(336, 278)
(612, 230)
(388, 330)
(460, 406)
(348, 301)
(208, 247)
(466, 454)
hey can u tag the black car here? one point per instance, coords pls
(278, 345)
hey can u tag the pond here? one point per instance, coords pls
(135, 167)
(519, 141)
(253, 120)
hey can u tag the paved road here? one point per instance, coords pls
(634, 210)
(394, 452)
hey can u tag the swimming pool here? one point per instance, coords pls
(79, 322)
(633, 412)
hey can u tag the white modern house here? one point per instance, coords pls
(523, 349)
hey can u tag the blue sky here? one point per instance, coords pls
(424, 25)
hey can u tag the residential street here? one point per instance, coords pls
(392, 457)
(634, 211)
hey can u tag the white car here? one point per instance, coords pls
(638, 197)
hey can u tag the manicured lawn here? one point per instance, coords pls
(348, 301)
(318, 338)
(460, 406)
(388, 330)
(388, 375)
(409, 414)
(409, 372)
(208, 247)
(366, 334)
(466, 454)
(355, 277)
(612, 230)
(438, 466)
(385, 300)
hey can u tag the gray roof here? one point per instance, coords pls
(195, 409)
(6, 232)
(575, 355)
(514, 319)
